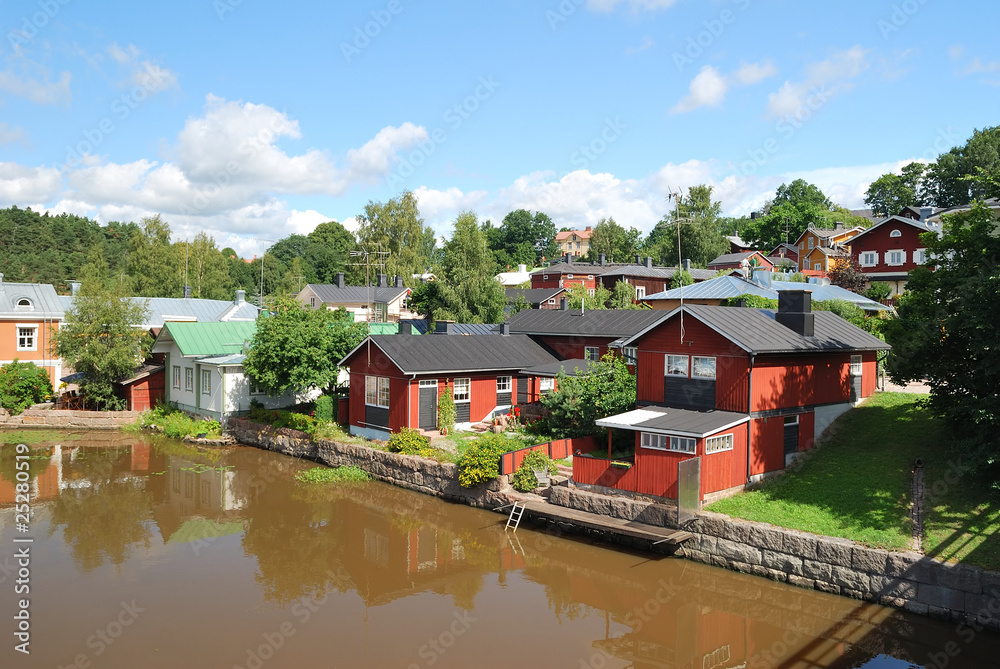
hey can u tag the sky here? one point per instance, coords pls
(253, 121)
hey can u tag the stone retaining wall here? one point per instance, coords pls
(905, 580)
(67, 419)
(406, 471)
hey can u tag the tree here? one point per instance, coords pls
(801, 192)
(99, 338)
(878, 291)
(329, 251)
(702, 239)
(945, 183)
(395, 226)
(297, 349)
(682, 278)
(946, 330)
(525, 238)
(888, 194)
(623, 297)
(578, 401)
(847, 274)
(208, 273)
(476, 299)
(23, 384)
(466, 253)
(579, 297)
(155, 266)
(614, 241)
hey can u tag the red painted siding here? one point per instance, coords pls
(370, 361)
(767, 452)
(880, 241)
(807, 428)
(791, 381)
(557, 280)
(732, 381)
(649, 381)
(570, 347)
(869, 372)
(727, 469)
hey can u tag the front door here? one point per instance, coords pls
(855, 379)
(428, 405)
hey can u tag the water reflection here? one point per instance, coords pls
(376, 550)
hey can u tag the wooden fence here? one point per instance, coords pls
(557, 450)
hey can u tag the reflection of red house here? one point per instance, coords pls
(742, 389)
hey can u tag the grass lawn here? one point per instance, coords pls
(857, 486)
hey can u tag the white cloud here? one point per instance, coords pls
(633, 5)
(142, 72)
(20, 184)
(830, 76)
(955, 51)
(11, 133)
(647, 42)
(125, 55)
(709, 86)
(30, 80)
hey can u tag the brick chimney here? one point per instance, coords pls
(795, 311)
(340, 279)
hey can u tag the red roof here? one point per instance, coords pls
(582, 234)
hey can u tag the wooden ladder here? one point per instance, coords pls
(516, 511)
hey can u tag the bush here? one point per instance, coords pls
(878, 291)
(410, 442)
(750, 301)
(177, 424)
(524, 478)
(279, 418)
(326, 409)
(481, 462)
(347, 474)
(23, 384)
(446, 411)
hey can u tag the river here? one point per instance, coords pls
(149, 553)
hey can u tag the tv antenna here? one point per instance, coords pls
(365, 256)
(260, 302)
(676, 197)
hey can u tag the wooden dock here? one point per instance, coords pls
(601, 523)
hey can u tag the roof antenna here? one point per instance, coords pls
(676, 197)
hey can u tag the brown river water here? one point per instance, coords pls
(148, 553)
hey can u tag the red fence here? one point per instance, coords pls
(600, 471)
(557, 450)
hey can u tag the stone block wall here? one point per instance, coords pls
(61, 419)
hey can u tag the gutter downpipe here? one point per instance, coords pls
(749, 411)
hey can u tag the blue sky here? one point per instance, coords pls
(253, 121)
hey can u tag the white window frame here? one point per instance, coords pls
(189, 379)
(899, 253)
(206, 382)
(791, 420)
(591, 352)
(812, 242)
(545, 276)
(377, 389)
(723, 442)
(255, 389)
(503, 384)
(817, 267)
(569, 276)
(687, 445)
(552, 300)
(869, 258)
(463, 396)
(631, 355)
(694, 367)
(640, 292)
(312, 302)
(590, 276)
(546, 384)
(920, 256)
(657, 442)
(856, 362)
(30, 339)
(895, 233)
(590, 291)
(175, 376)
(667, 365)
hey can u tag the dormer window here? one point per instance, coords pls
(24, 304)
(895, 233)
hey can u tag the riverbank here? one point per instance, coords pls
(66, 419)
(904, 580)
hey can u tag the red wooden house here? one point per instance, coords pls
(397, 380)
(745, 390)
(888, 250)
(566, 274)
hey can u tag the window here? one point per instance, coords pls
(26, 337)
(812, 242)
(719, 444)
(590, 291)
(503, 384)
(802, 246)
(24, 304)
(894, 258)
(855, 365)
(377, 391)
(463, 390)
(920, 256)
(590, 276)
(206, 382)
(381, 312)
(569, 276)
(640, 292)
(591, 353)
(895, 233)
(657, 441)
(255, 389)
(552, 300)
(547, 384)
(631, 354)
(818, 266)
(677, 365)
(791, 420)
(312, 302)
(176, 376)
(703, 368)
(189, 379)
(578, 246)
(683, 444)
(869, 259)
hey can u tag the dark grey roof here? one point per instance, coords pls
(532, 295)
(756, 331)
(574, 268)
(658, 272)
(451, 354)
(569, 367)
(729, 258)
(591, 323)
(684, 422)
(329, 293)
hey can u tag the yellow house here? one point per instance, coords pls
(574, 242)
(836, 242)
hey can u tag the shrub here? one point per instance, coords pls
(278, 419)
(878, 291)
(23, 384)
(481, 462)
(347, 474)
(524, 478)
(177, 424)
(410, 442)
(751, 301)
(326, 409)
(446, 411)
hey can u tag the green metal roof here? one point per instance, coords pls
(211, 338)
(383, 328)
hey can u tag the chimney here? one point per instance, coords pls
(649, 261)
(753, 215)
(601, 259)
(187, 292)
(562, 304)
(686, 264)
(838, 225)
(522, 268)
(405, 328)
(588, 229)
(399, 281)
(505, 329)
(444, 327)
(795, 311)
(566, 258)
(241, 297)
(925, 213)
(381, 281)
(74, 286)
(340, 279)
(638, 260)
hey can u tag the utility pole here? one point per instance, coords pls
(676, 197)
